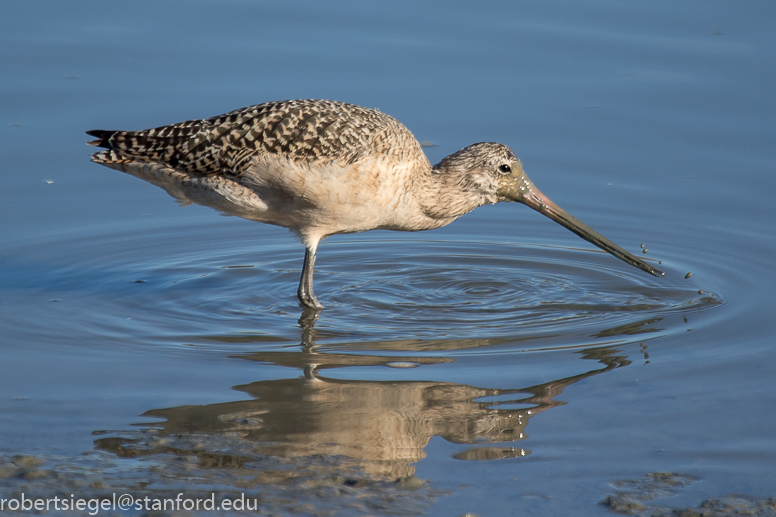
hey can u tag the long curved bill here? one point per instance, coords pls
(533, 198)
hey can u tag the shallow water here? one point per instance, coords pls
(496, 366)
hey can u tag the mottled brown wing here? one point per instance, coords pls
(299, 130)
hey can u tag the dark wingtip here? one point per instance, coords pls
(103, 138)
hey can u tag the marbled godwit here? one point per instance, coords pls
(321, 167)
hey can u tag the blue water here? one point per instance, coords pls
(500, 364)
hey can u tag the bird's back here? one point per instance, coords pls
(310, 131)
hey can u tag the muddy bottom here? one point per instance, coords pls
(638, 497)
(140, 473)
(201, 475)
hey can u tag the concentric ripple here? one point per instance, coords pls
(511, 290)
(178, 286)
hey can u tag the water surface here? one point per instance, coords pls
(496, 366)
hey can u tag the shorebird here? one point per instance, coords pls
(320, 168)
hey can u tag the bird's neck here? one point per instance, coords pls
(449, 194)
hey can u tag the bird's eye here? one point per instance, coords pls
(504, 169)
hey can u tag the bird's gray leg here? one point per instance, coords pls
(305, 292)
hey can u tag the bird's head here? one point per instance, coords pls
(491, 172)
(488, 170)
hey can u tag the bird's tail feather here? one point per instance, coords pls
(103, 138)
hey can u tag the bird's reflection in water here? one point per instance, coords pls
(380, 426)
